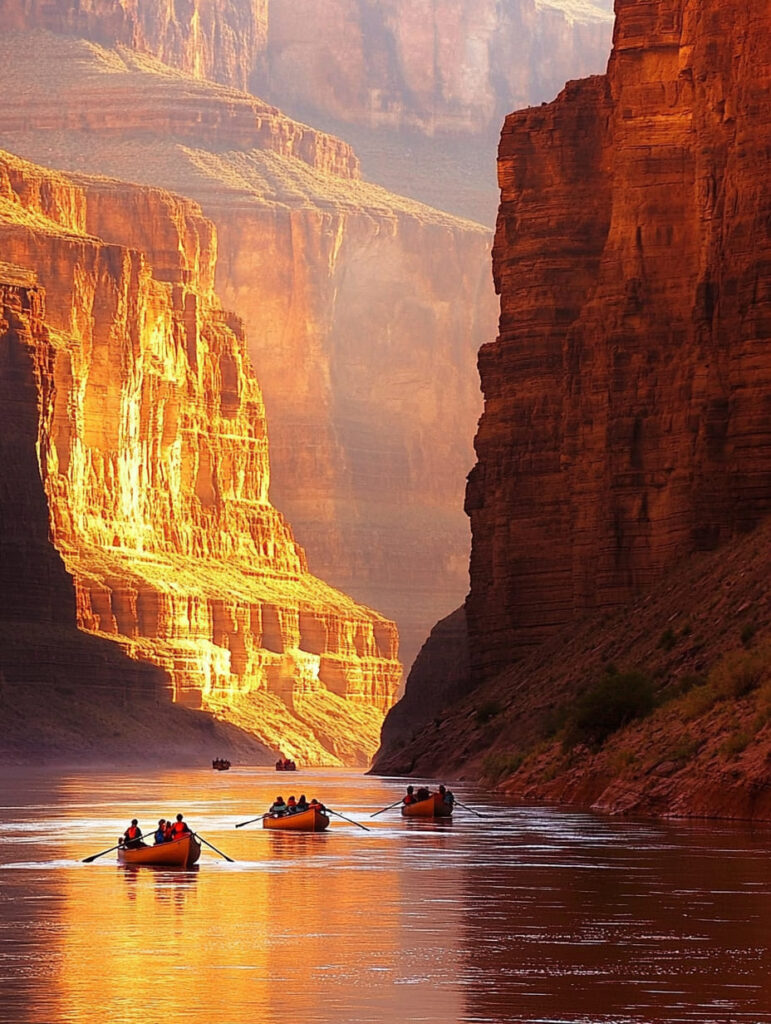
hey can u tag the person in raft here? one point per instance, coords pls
(167, 831)
(315, 805)
(179, 828)
(422, 794)
(409, 797)
(278, 807)
(160, 832)
(448, 797)
(132, 837)
(302, 803)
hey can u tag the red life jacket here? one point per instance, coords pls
(179, 828)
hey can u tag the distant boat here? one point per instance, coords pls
(220, 764)
(286, 766)
(179, 853)
(311, 820)
(433, 807)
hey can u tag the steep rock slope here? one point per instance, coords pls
(628, 397)
(626, 430)
(153, 456)
(363, 311)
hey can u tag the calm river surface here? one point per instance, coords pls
(527, 914)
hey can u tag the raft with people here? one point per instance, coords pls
(314, 819)
(432, 806)
(178, 853)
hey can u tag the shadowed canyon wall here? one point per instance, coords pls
(627, 422)
(363, 311)
(153, 456)
(628, 396)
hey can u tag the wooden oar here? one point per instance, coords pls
(470, 809)
(330, 811)
(87, 860)
(261, 817)
(385, 808)
(214, 848)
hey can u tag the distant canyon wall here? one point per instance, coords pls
(216, 39)
(153, 455)
(627, 417)
(363, 311)
(435, 68)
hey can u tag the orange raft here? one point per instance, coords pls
(434, 807)
(179, 853)
(301, 821)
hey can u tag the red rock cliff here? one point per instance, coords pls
(627, 416)
(154, 460)
(363, 310)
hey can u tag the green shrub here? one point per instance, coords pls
(609, 705)
(500, 765)
(739, 672)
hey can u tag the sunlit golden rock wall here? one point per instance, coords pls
(627, 420)
(154, 457)
(363, 311)
(218, 39)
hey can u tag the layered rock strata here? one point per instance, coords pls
(153, 455)
(363, 310)
(217, 39)
(627, 417)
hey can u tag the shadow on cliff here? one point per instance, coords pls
(66, 695)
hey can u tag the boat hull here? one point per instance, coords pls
(434, 807)
(179, 853)
(302, 821)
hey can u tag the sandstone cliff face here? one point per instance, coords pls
(627, 417)
(363, 311)
(153, 455)
(217, 39)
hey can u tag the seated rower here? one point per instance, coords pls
(409, 797)
(291, 805)
(160, 832)
(448, 797)
(302, 803)
(167, 831)
(315, 805)
(278, 807)
(132, 837)
(179, 828)
(422, 794)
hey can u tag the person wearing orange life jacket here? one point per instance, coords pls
(179, 828)
(409, 798)
(291, 805)
(167, 833)
(132, 837)
(315, 805)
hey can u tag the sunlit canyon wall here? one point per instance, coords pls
(363, 311)
(153, 454)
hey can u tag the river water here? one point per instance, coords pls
(527, 914)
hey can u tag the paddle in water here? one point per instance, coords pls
(470, 809)
(385, 808)
(261, 817)
(339, 815)
(87, 860)
(230, 859)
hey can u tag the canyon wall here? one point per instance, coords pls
(363, 310)
(217, 39)
(620, 505)
(153, 455)
(627, 412)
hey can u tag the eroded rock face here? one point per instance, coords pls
(627, 420)
(154, 458)
(439, 68)
(363, 311)
(217, 39)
